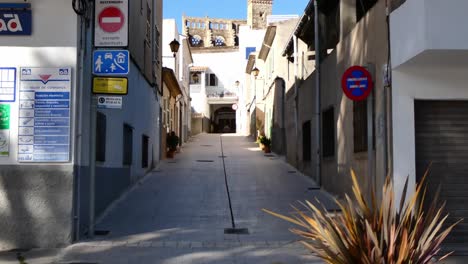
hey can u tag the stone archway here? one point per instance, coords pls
(224, 120)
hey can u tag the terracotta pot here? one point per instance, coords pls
(267, 149)
(170, 154)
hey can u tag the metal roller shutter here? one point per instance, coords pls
(441, 130)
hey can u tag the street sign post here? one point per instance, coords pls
(357, 83)
(111, 23)
(111, 62)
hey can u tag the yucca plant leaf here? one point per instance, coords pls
(378, 232)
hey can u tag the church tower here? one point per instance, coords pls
(257, 12)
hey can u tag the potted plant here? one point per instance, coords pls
(376, 232)
(172, 142)
(260, 139)
(266, 142)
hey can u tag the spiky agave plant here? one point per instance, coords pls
(373, 234)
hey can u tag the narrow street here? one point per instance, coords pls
(179, 213)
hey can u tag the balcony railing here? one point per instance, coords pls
(222, 95)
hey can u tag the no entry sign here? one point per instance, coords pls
(357, 83)
(111, 23)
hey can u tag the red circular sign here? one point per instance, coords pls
(234, 107)
(111, 19)
(357, 83)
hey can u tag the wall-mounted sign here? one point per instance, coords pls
(111, 62)
(7, 84)
(15, 19)
(234, 107)
(102, 85)
(4, 130)
(111, 23)
(357, 83)
(110, 102)
(44, 115)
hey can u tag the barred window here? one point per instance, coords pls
(328, 132)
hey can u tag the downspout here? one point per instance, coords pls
(388, 101)
(296, 101)
(318, 175)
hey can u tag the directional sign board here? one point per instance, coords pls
(111, 62)
(357, 83)
(44, 115)
(111, 23)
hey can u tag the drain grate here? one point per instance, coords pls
(172, 162)
(291, 171)
(222, 157)
(313, 188)
(205, 160)
(79, 262)
(236, 231)
(101, 232)
(269, 155)
(206, 145)
(19, 250)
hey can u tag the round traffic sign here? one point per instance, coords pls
(357, 83)
(111, 19)
(234, 107)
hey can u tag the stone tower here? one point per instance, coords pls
(257, 12)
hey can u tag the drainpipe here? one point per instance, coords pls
(388, 101)
(296, 101)
(318, 175)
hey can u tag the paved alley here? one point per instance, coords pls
(179, 213)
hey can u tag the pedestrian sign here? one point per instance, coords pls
(111, 62)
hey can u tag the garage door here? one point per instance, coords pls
(442, 138)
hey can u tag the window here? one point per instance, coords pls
(148, 25)
(306, 142)
(360, 126)
(156, 45)
(219, 41)
(196, 41)
(101, 137)
(211, 80)
(249, 50)
(328, 132)
(144, 151)
(127, 144)
(362, 7)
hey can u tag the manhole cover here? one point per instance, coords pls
(236, 231)
(101, 232)
(205, 160)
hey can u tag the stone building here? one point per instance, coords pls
(220, 49)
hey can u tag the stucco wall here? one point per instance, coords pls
(36, 200)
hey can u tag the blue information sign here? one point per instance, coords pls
(111, 62)
(44, 117)
(15, 19)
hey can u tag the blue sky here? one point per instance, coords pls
(225, 8)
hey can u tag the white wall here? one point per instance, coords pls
(50, 45)
(420, 25)
(419, 82)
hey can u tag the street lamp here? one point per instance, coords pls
(255, 72)
(174, 46)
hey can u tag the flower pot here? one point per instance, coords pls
(170, 154)
(267, 149)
